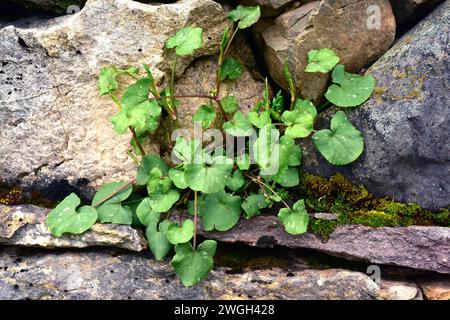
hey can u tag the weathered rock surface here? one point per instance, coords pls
(422, 248)
(342, 25)
(108, 275)
(269, 8)
(405, 123)
(53, 124)
(391, 289)
(410, 11)
(25, 226)
(435, 288)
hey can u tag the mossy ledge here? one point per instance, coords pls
(355, 205)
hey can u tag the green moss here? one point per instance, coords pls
(14, 196)
(355, 205)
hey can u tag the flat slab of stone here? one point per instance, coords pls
(417, 247)
(25, 226)
(107, 275)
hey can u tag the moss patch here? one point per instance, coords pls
(355, 205)
(14, 196)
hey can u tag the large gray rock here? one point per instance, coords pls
(53, 124)
(422, 248)
(342, 25)
(405, 123)
(108, 275)
(25, 226)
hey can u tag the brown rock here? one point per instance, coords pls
(340, 25)
(393, 289)
(435, 287)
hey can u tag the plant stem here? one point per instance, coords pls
(195, 221)
(185, 96)
(172, 82)
(136, 140)
(114, 193)
(257, 181)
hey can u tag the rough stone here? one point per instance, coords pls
(110, 275)
(269, 8)
(407, 154)
(25, 226)
(435, 287)
(54, 127)
(340, 25)
(416, 247)
(392, 289)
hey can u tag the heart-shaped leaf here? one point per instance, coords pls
(295, 221)
(229, 104)
(178, 178)
(239, 126)
(305, 106)
(186, 41)
(342, 144)
(147, 164)
(194, 266)
(322, 60)
(209, 178)
(253, 204)
(162, 196)
(177, 235)
(300, 124)
(220, 211)
(107, 82)
(189, 152)
(259, 120)
(157, 240)
(246, 16)
(147, 216)
(287, 177)
(205, 115)
(349, 90)
(112, 211)
(65, 219)
(266, 148)
(231, 69)
(243, 162)
(235, 181)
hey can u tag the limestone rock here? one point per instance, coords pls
(435, 287)
(25, 226)
(416, 247)
(392, 289)
(405, 123)
(110, 275)
(54, 127)
(345, 26)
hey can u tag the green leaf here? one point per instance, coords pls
(295, 221)
(342, 144)
(112, 211)
(239, 126)
(253, 204)
(136, 93)
(157, 240)
(162, 196)
(290, 152)
(107, 82)
(190, 206)
(229, 104)
(322, 60)
(205, 115)
(243, 162)
(266, 148)
(209, 178)
(148, 163)
(189, 152)
(259, 120)
(224, 41)
(300, 124)
(236, 181)
(349, 90)
(194, 266)
(183, 234)
(147, 215)
(65, 219)
(133, 202)
(231, 69)
(288, 75)
(305, 106)
(220, 211)
(246, 16)
(178, 178)
(186, 41)
(287, 177)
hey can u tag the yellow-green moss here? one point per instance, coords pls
(14, 196)
(355, 205)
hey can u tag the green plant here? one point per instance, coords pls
(217, 187)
